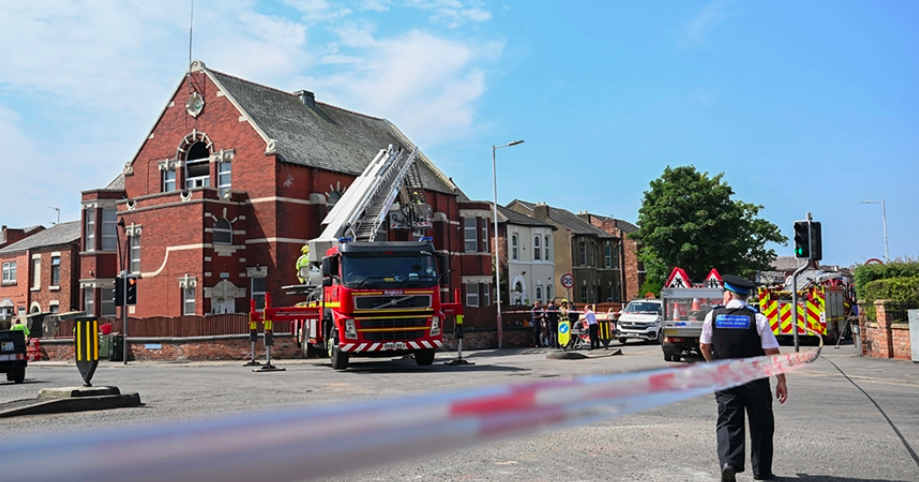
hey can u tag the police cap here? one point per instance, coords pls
(738, 285)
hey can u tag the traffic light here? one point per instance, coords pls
(816, 243)
(119, 291)
(131, 294)
(802, 239)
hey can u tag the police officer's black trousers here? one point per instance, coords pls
(537, 333)
(756, 398)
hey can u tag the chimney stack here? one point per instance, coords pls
(308, 98)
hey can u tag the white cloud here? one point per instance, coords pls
(696, 30)
(453, 13)
(426, 85)
(81, 82)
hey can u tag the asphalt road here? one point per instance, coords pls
(862, 426)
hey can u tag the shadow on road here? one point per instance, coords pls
(409, 366)
(830, 478)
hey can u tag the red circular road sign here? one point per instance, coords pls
(567, 280)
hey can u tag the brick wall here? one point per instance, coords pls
(238, 347)
(883, 338)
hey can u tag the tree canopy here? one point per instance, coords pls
(688, 219)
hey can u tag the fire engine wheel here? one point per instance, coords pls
(424, 357)
(339, 358)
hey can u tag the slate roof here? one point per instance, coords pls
(325, 137)
(787, 263)
(56, 235)
(24, 230)
(624, 226)
(570, 221)
(506, 215)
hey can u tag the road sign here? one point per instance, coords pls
(567, 280)
(678, 279)
(564, 332)
(713, 280)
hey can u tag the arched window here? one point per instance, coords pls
(537, 251)
(223, 232)
(197, 166)
(514, 247)
(539, 293)
(546, 247)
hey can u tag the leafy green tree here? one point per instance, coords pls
(688, 219)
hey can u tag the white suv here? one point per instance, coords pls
(641, 319)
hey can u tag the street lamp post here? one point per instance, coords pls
(494, 181)
(884, 215)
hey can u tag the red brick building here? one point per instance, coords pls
(233, 178)
(40, 272)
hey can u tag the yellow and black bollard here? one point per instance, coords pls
(253, 337)
(86, 346)
(458, 334)
(606, 332)
(269, 339)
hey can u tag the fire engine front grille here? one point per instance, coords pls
(392, 302)
(392, 323)
(393, 335)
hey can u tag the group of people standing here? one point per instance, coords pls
(545, 322)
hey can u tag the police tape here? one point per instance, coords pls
(314, 442)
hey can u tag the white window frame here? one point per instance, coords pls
(134, 250)
(90, 230)
(470, 235)
(545, 248)
(36, 273)
(486, 248)
(9, 272)
(537, 250)
(472, 295)
(548, 292)
(259, 296)
(225, 232)
(107, 303)
(539, 293)
(197, 181)
(89, 301)
(169, 180)
(224, 177)
(189, 301)
(486, 294)
(110, 240)
(514, 247)
(55, 271)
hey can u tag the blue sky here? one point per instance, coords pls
(805, 106)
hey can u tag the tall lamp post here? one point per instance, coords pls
(494, 181)
(884, 215)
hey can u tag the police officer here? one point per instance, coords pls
(303, 261)
(735, 330)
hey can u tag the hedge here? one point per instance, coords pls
(873, 272)
(902, 290)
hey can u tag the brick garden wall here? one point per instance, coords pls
(237, 347)
(886, 337)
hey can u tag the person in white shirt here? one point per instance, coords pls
(592, 327)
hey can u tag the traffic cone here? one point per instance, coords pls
(695, 304)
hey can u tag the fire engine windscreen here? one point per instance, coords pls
(393, 270)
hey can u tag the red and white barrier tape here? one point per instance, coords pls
(308, 443)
